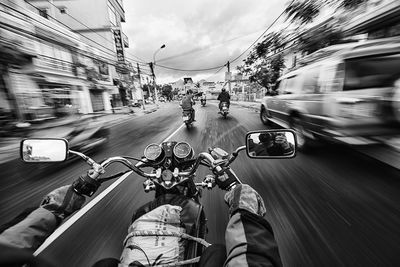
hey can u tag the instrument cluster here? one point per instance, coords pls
(179, 150)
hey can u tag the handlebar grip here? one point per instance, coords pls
(85, 185)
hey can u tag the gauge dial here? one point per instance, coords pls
(152, 151)
(182, 150)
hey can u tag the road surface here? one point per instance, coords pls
(332, 207)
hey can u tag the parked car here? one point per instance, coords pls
(347, 93)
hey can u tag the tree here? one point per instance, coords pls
(167, 90)
(260, 66)
(305, 11)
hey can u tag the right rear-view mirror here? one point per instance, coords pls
(271, 144)
(44, 150)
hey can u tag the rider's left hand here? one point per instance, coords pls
(63, 201)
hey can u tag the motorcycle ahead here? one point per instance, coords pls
(203, 102)
(224, 109)
(171, 174)
(187, 118)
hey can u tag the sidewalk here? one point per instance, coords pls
(59, 128)
(254, 105)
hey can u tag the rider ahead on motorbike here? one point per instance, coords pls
(187, 103)
(249, 237)
(224, 97)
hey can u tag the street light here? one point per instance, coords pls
(154, 76)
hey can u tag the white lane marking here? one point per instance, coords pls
(79, 214)
(60, 230)
(166, 139)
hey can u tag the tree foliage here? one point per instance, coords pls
(305, 11)
(167, 90)
(265, 63)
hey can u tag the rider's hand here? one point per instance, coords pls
(243, 196)
(282, 141)
(63, 201)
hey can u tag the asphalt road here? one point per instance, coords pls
(332, 207)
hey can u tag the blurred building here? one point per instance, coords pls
(98, 23)
(41, 77)
(377, 19)
(371, 20)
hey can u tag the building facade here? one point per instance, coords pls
(100, 29)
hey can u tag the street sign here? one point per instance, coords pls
(118, 46)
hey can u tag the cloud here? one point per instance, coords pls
(198, 34)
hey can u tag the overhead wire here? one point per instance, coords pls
(269, 27)
(236, 58)
(78, 51)
(83, 24)
(108, 49)
(220, 67)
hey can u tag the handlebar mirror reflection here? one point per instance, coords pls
(271, 144)
(44, 150)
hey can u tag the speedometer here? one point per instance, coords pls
(152, 151)
(182, 150)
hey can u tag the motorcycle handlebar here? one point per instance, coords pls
(136, 168)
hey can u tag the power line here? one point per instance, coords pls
(113, 55)
(280, 15)
(236, 58)
(86, 54)
(205, 48)
(195, 70)
(143, 61)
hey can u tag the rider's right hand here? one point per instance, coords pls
(243, 196)
(63, 201)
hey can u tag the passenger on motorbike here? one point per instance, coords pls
(249, 237)
(187, 103)
(224, 97)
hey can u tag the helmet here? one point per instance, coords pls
(223, 89)
(264, 137)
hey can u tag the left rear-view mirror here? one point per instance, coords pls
(271, 144)
(44, 150)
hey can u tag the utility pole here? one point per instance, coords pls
(140, 85)
(229, 77)
(154, 80)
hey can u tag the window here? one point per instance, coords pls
(311, 81)
(290, 87)
(44, 13)
(371, 72)
(63, 10)
(112, 14)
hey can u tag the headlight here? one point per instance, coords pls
(182, 150)
(152, 151)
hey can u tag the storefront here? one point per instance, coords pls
(97, 99)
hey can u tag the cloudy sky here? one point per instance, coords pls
(198, 34)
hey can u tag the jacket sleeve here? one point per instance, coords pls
(32, 231)
(249, 237)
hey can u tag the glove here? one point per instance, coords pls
(63, 201)
(243, 196)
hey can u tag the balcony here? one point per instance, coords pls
(53, 65)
